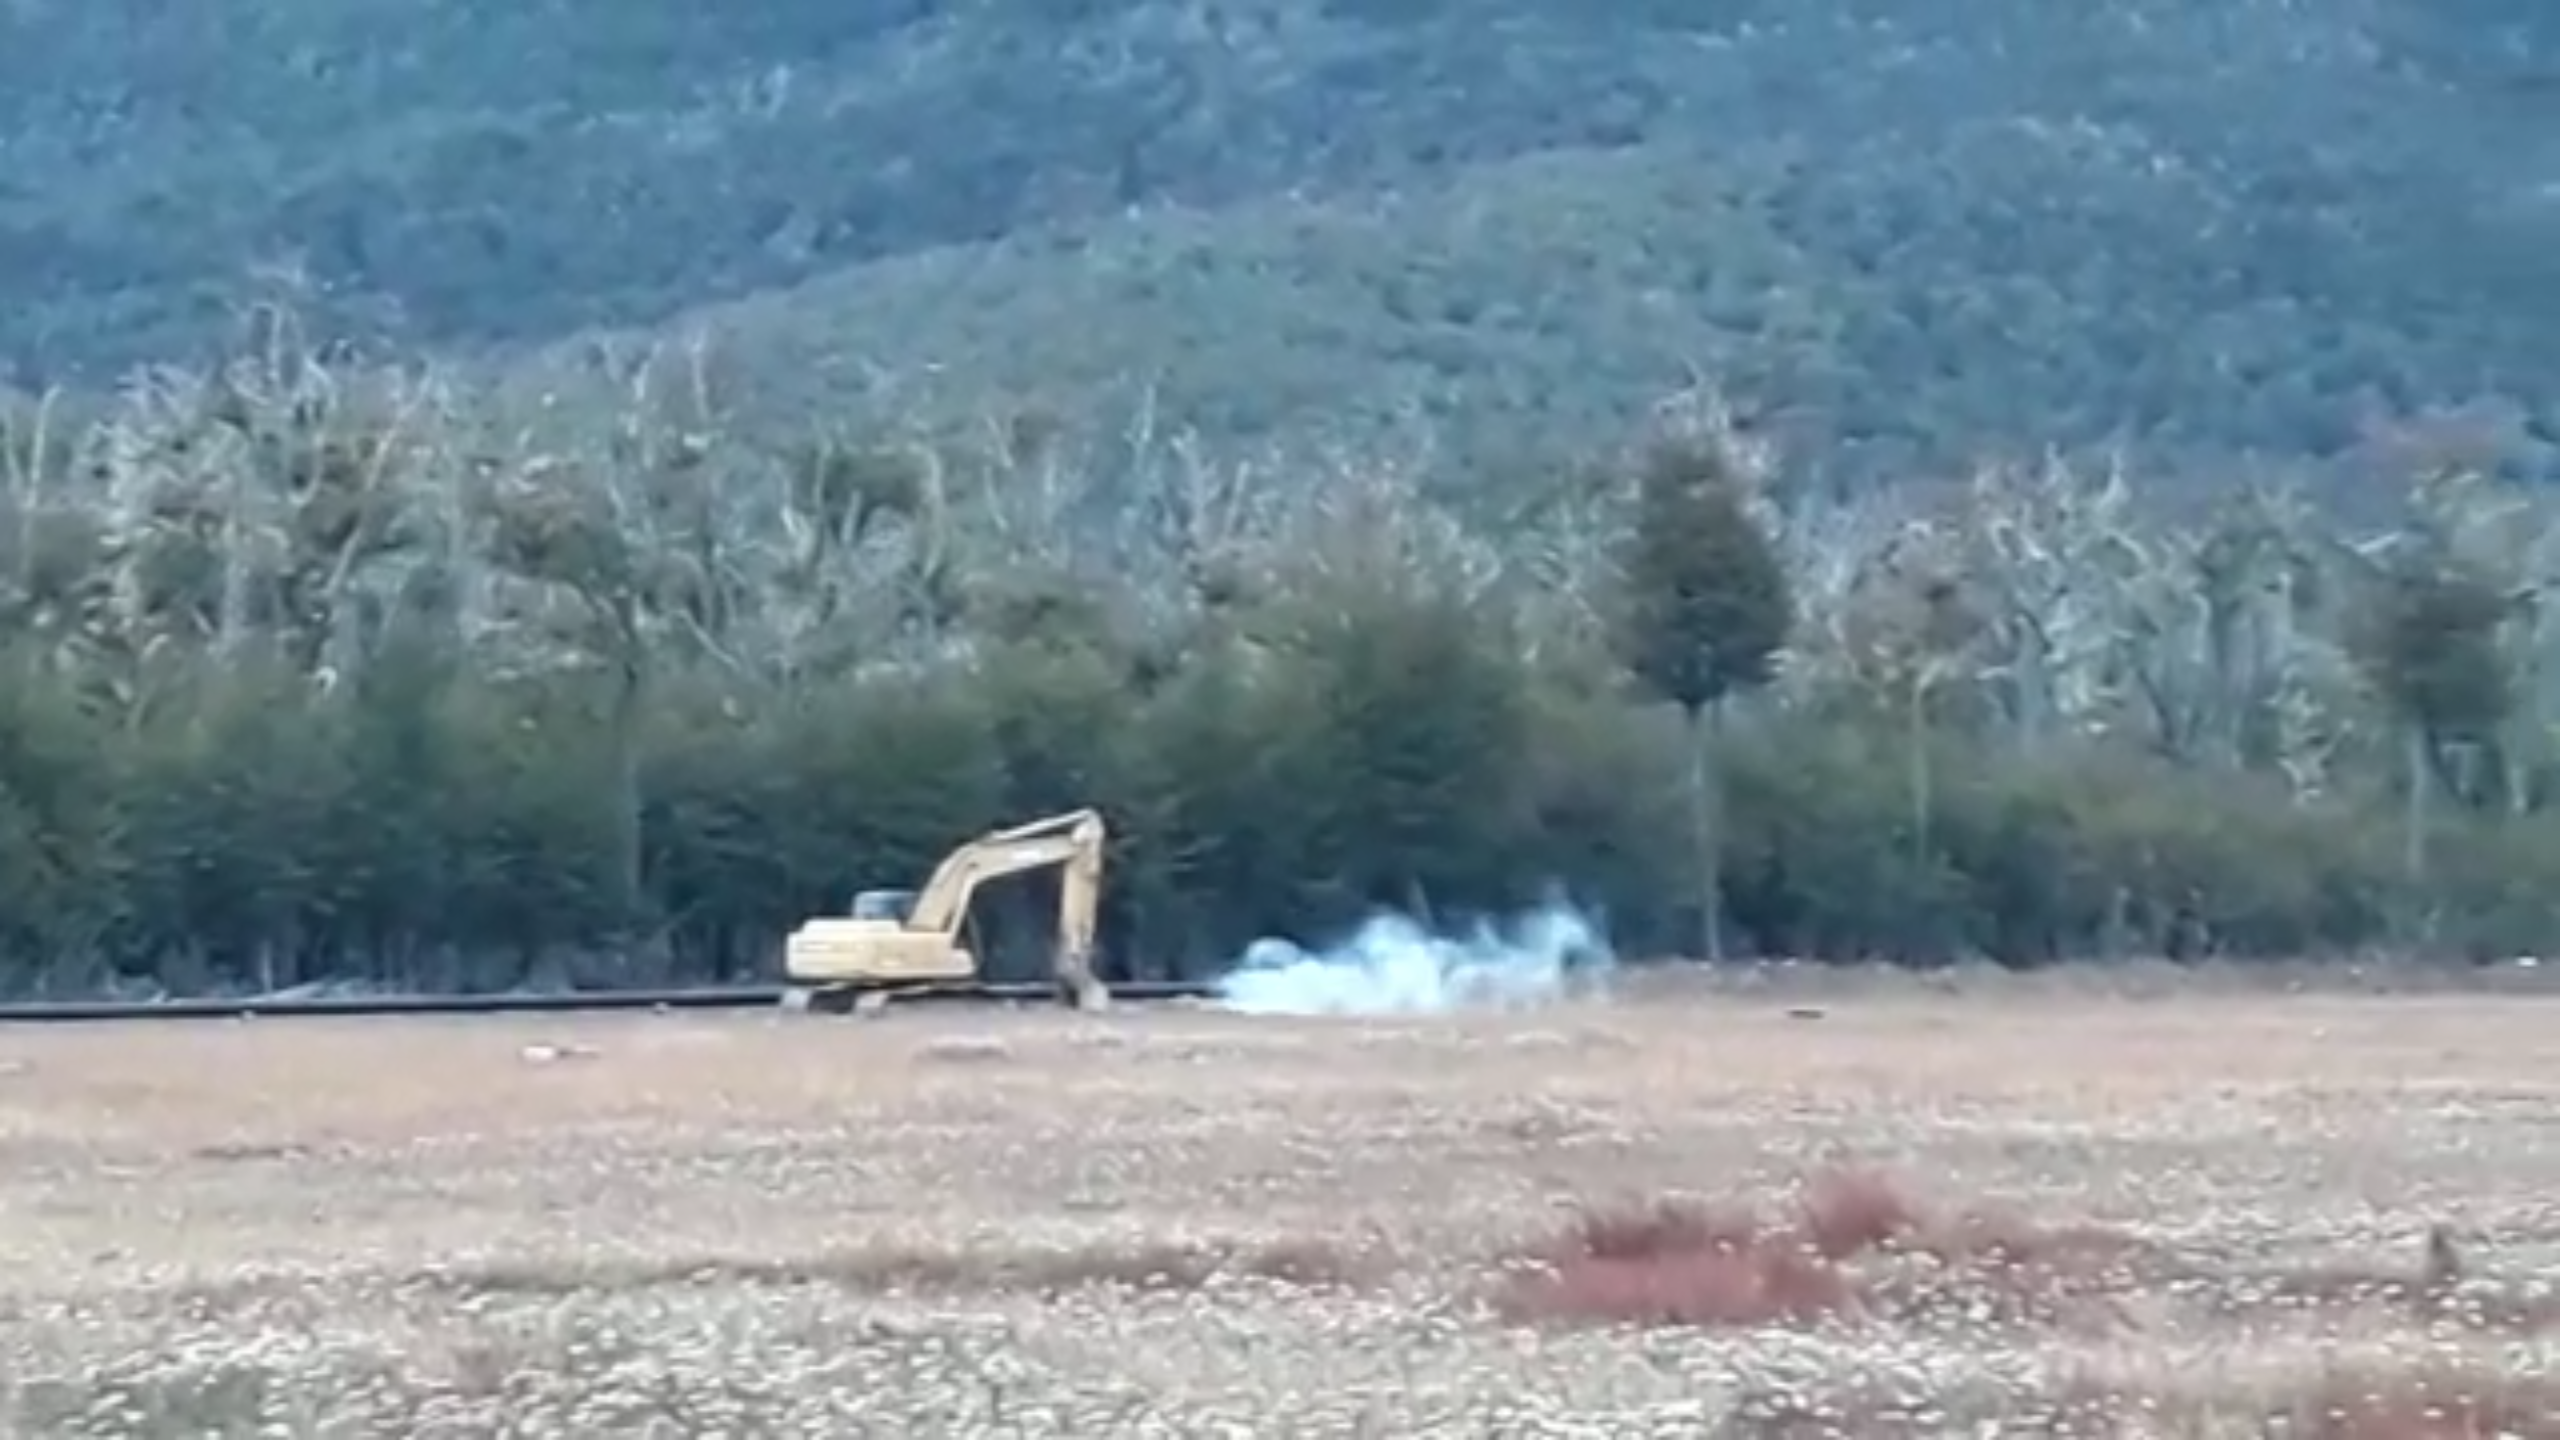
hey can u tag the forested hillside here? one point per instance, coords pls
(1916, 231)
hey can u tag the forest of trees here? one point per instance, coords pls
(325, 669)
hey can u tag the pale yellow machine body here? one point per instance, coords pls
(898, 939)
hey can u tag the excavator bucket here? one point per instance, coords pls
(1083, 990)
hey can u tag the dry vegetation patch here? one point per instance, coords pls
(1919, 1217)
(996, 1268)
(1855, 1246)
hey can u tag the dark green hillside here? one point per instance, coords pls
(2212, 228)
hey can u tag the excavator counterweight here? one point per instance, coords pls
(909, 939)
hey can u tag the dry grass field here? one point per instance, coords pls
(1912, 1215)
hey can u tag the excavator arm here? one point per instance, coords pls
(1060, 840)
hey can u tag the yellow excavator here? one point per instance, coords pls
(910, 940)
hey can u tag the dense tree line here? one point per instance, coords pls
(334, 672)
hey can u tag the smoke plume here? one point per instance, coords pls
(1392, 966)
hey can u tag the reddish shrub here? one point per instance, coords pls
(1838, 1252)
(1844, 1212)
(1754, 1285)
(1677, 1264)
(1664, 1228)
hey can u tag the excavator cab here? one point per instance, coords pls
(892, 939)
(893, 905)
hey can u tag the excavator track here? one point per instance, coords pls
(839, 1000)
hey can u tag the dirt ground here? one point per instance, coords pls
(2045, 1216)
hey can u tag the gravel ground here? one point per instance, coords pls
(1174, 1222)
